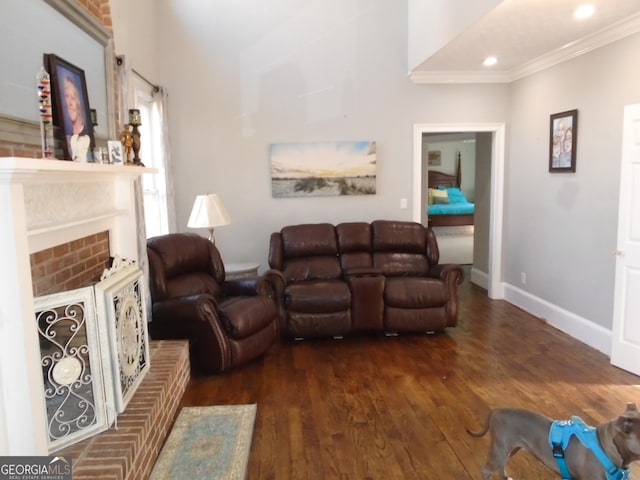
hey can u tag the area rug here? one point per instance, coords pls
(208, 443)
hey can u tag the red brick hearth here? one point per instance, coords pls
(129, 450)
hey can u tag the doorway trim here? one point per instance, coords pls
(495, 286)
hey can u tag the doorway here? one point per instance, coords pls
(492, 278)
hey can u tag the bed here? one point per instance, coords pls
(447, 205)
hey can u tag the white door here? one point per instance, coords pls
(625, 347)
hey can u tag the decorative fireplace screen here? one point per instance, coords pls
(94, 353)
(120, 297)
(72, 371)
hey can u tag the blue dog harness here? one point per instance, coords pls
(559, 436)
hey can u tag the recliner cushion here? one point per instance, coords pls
(191, 284)
(309, 240)
(318, 296)
(244, 316)
(312, 268)
(414, 292)
(390, 236)
(354, 242)
(401, 264)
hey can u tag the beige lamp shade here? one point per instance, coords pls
(208, 212)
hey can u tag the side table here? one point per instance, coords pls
(241, 270)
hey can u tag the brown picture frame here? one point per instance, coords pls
(563, 140)
(434, 158)
(71, 110)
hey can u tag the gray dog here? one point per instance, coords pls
(513, 429)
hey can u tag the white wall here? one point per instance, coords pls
(561, 228)
(134, 34)
(434, 23)
(244, 74)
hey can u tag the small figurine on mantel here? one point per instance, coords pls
(126, 137)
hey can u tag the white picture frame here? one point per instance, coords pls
(73, 373)
(116, 155)
(121, 301)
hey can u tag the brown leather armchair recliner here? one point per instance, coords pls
(227, 323)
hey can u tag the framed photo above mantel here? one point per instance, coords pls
(71, 111)
(563, 140)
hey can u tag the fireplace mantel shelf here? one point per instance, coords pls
(30, 169)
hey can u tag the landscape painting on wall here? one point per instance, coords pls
(323, 169)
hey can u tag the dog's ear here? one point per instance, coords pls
(631, 407)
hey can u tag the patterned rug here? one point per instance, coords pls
(208, 443)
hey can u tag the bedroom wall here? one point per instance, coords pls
(242, 75)
(482, 200)
(561, 229)
(449, 160)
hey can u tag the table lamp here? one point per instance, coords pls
(208, 212)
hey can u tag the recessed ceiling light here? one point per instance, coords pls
(489, 61)
(584, 11)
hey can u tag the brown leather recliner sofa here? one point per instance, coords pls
(227, 322)
(358, 276)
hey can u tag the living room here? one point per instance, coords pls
(244, 75)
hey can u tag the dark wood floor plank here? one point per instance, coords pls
(373, 407)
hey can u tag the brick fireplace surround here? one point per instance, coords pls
(129, 449)
(64, 220)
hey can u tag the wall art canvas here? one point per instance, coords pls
(323, 169)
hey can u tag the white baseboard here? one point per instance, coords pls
(578, 327)
(480, 278)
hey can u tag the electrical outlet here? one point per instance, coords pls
(403, 203)
(523, 278)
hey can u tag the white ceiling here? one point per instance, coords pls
(527, 36)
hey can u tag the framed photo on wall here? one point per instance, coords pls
(435, 158)
(563, 139)
(71, 112)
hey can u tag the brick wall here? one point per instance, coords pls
(99, 9)
(129, 450)
(75, 264)
(10, 149)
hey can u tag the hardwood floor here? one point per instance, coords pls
(375, 407)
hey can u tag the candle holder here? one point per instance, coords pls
(134, 121)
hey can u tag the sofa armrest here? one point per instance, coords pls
(448, 272)
(195, 318)
(278, 283)
(184, 310)
(247, 286)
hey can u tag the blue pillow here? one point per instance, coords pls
(455, 195)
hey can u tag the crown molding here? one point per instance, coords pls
(618, 31)
(460, 76)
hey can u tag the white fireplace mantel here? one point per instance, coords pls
(44, 203)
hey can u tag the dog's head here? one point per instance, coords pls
(627, 437)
